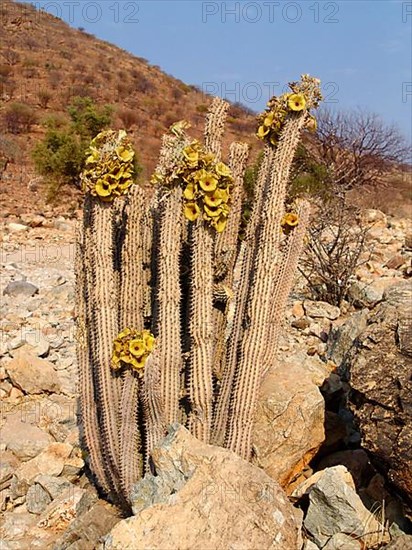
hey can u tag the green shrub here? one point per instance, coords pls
(88, 118)
(60, 156)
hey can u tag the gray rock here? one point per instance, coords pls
(403, 542)
(37, 499)
(341, 541)
(368, 294)
(25, 440)
(342, 339)
(380, 376)
(321, 309)
(88, 529)
(334, 507)
(53, 485)
(20, 288)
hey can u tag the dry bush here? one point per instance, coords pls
(335, 249)
(10, 56)
(356, 147)
(55, 79)
(128, 117)
(18, 118)
(44, 97)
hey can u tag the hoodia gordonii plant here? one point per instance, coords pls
(178, 319)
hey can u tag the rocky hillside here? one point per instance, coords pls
(44, 63)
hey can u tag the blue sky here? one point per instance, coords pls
(246, 51)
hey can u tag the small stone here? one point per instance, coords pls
(376, 218)
(340, 541)
(301, 323)
(321, 309)
(37, 499)
(20, 288)
(17, 227)
(396, 262)
(25, 440)
(54, 486)
(297, 310)
(49, 462)
(37, 343)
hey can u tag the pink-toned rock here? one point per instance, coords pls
(289, 425)
(32, 374)
(50, 462)
(205, 497)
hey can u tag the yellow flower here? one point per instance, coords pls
(269, 119)
(208, 158)
(138, 363)
(191, 154)
(296, 102)
(211, 212)
(124, 154)
(214, 199)
(224, 193)
(290, 220)
(149, 340)
(125, 332)
(223, 170)
(220, 224)
(103, 188)
(191, 211)
(190, 191)
(262, 132)
(137, 347)
(208, 182)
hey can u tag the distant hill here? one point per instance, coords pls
(44, 63)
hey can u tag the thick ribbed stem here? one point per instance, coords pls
(215, 125)
(89, 417)
(103, 331)
(168, 298)
(226, 245)
(201, 331)
(153, 406)
(291, 251)
(236, 312)
(253, 347)
(131, 316)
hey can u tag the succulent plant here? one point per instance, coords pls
(178, 319)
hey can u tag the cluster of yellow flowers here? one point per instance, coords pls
(207, 186)
(109, 165)
(132, 347)
(271, 121)
(289, 221)
(206, 182)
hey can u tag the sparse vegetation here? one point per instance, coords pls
(18, 118)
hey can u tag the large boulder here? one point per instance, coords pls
(205, 497)
(335, 512)
(381, 382)
(290, 417)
